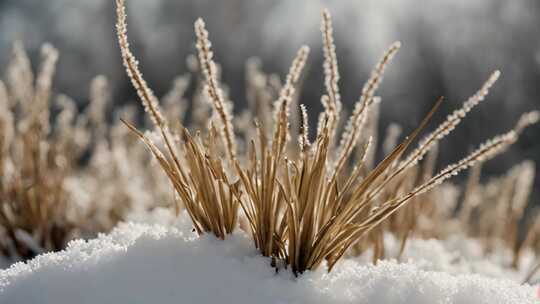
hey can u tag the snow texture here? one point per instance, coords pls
(141, 263)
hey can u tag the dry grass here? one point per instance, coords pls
(307, 199)
(33, 202)
(64, 174)
(198, 176)
(305, 206)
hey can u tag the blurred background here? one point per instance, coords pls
(449, 48)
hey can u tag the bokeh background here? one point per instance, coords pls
(449, 48)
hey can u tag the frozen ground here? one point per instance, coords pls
(145, 263)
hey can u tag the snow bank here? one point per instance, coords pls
(153, 264)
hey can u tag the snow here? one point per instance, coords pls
(153, 263)
(457, 255)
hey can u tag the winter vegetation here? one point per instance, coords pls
(212, 203)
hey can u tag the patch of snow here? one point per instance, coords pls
(144, 263)
(455, 255)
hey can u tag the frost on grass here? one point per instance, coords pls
(303, 206)
(144, 263)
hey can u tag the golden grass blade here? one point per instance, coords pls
(360, 112)
(213, 89)
(281, 131)
(303, 139)
(486, 151)
(149, 100)
(450, 123)
(331, 72)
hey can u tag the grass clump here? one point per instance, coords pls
(305, 204)
(64, 173)
(32, 198)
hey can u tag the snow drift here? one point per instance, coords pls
(144, 263)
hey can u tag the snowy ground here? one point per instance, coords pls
(144, 263)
